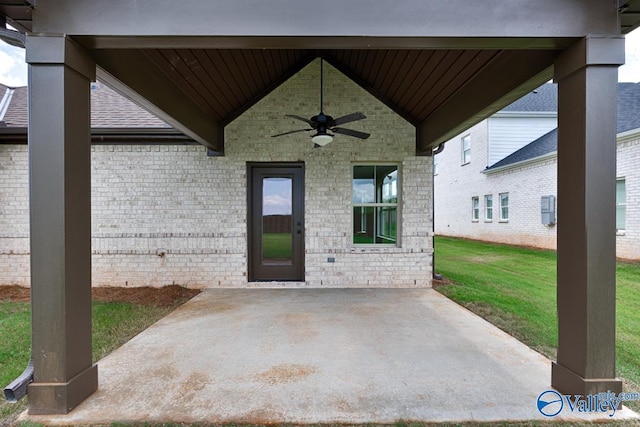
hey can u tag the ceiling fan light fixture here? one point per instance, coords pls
(323, 123)
(322, 139)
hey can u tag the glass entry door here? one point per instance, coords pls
(276, 222)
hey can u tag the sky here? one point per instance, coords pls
(276, 196)
(13, 70)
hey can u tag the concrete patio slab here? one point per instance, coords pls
(319, 356)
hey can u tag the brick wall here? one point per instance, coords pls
(455, 185)
(166, 214)
(14, 215)
(628, 159)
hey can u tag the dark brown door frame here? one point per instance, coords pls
(258, 270)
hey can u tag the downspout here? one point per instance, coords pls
(439, 149)
(18, 387)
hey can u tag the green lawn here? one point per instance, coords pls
(113, 325)
(276, 246)
(515, 289)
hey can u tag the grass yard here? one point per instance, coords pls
(515, 289)
(277, 246)
(114, 323)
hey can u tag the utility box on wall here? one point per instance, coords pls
(548, 210)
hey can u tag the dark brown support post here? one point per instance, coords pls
(587, 77)
(60, 189)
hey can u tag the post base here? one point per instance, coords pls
(568, 382)
(60, 398)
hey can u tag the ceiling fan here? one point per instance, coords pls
(324, 124)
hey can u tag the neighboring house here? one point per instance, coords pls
(498, 181)
(164, 212)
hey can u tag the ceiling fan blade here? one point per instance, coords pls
(351, 132)
(293, 116)
(291, 131)
(348, 118)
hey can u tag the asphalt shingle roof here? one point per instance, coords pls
(545, 98)
(109, 109)
(628, 106)
(17, 114)
(628, 119)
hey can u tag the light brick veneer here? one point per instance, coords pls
(628, 159)
(455, 185)
(166, 214)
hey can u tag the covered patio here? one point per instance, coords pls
(442, 66)
(306, 356)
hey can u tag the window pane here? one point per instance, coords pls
(363, 224)
(387, 184)
(377, 187)
(364, 188)
(475, 208)
(621, 191)
(621, 204)
(277, 237)
(387, 218)
(466, 149)
(488, 202)
(621, 217)
(504, 206)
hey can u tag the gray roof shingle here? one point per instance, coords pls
(628, 106)
(544, 98)
(109, 109)
(17, 114)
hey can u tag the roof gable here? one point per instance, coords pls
(628, 119)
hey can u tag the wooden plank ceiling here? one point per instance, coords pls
(215, 86)
(225, 83)
(19, 12)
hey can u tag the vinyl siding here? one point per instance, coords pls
(508, 134)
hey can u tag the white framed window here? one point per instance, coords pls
(466, 149)
(504, 206)
(488, 207)
(375, 196)
(475, 208)
(621, 205)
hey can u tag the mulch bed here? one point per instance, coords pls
(163, 297)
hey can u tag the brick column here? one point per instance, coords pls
(60, 189)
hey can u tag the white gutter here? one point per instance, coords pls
(521, 163)
(628, 135)
(527, 114)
